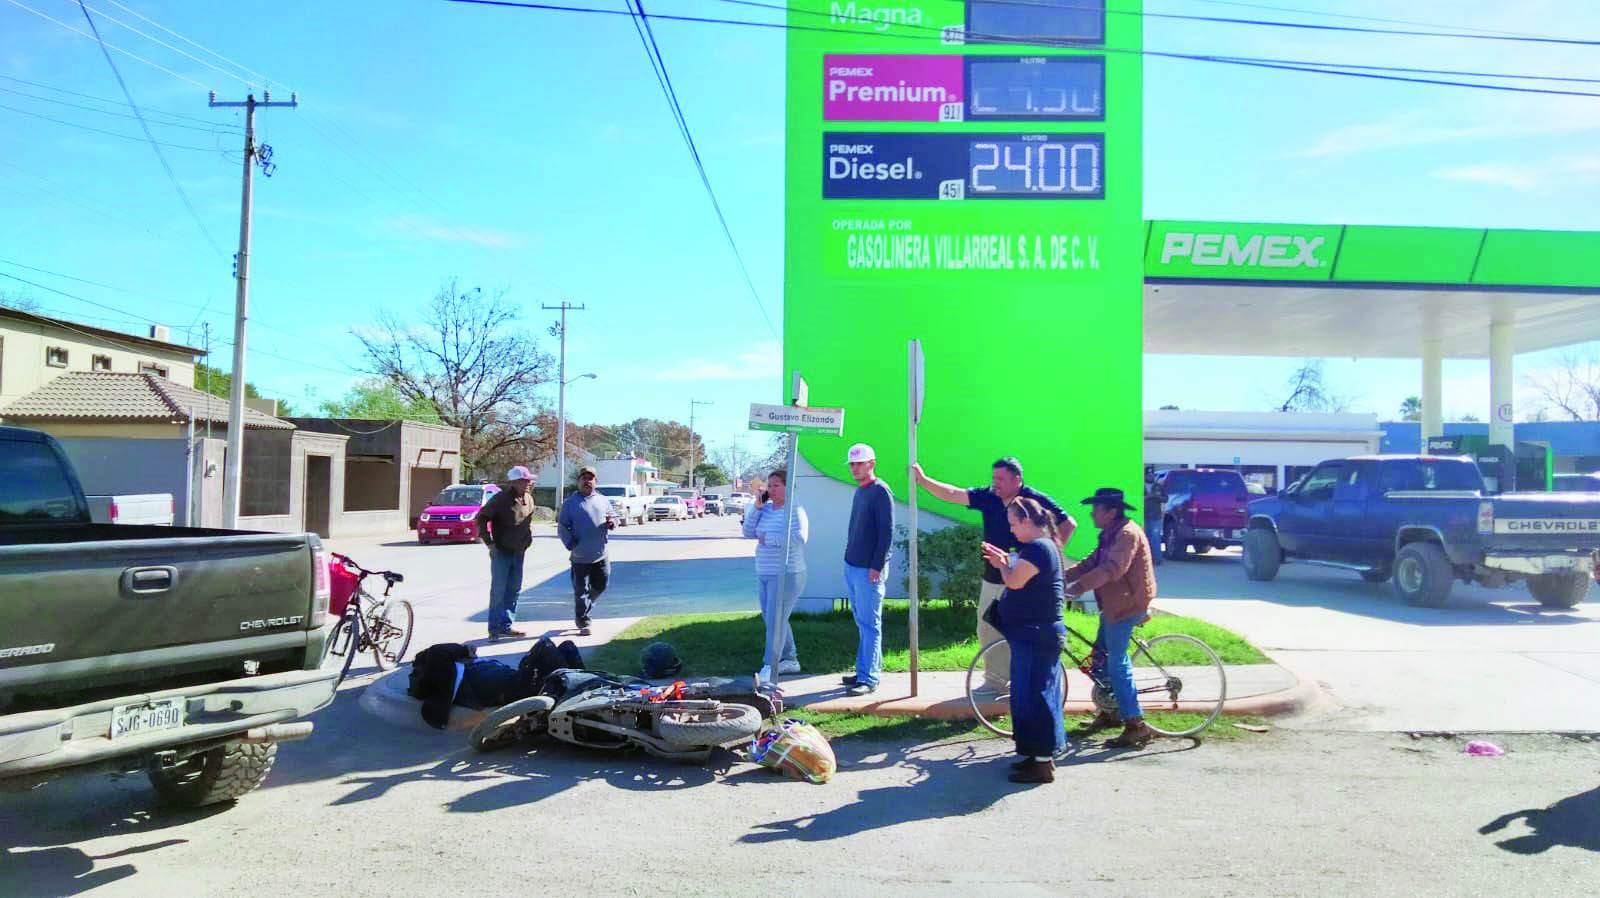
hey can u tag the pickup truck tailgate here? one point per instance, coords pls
(1540, 521)
(61, 602)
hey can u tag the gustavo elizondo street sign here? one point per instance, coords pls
(796, 419)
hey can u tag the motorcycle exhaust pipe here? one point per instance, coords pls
(278, 732)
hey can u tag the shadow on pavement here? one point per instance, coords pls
(1572, 822)
(643, 588)
(1221, 578)
(35, 859)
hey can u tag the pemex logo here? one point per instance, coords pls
(1263, 251)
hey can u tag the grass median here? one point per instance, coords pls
(731, 644)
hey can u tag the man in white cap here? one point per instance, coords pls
(505, 523)
(866, 563)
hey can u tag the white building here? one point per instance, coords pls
(1269, 448)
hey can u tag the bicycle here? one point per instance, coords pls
(381, 626)
(1192, 681)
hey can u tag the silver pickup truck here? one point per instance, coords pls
(186, 652)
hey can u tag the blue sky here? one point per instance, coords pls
(532, 151)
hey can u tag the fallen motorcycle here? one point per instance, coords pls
(680, 722)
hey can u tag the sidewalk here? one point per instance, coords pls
(1253, 689)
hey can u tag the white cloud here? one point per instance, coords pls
(764, 362)
(415, 226)
(1547, 175)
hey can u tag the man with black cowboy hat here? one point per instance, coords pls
(1121, 574)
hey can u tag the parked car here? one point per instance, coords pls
(1206, 509)
(714, 506)
(693, 500)
(1576, 483)
(1424, 522)
(669, 508)
(627, 502)
(736, 503)
(186, 652)
(144, 508)
(452, 516)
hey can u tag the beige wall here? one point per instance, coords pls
(22, 357)
(131, 430)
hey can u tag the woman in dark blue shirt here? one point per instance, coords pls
(1030, 618)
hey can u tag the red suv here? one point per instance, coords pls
(1206, 509)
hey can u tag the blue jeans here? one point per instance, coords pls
(505, 584)
(1036, 717)
(1152, 531)
(866, 603)
(780, 637)
(1112, 664)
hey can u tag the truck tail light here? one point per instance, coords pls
(1485, 517)
(114, 513)
(321, 584)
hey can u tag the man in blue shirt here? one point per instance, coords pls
(584, 526)
(1005, 484)
(866, 563)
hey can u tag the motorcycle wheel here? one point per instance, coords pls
(720, 726)
(498, 729)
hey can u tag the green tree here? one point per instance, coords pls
(220, 383)
(1411, 409)
(709, 474)
(377, 399)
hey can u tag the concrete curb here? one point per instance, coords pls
(1280, 703)
(385, 698)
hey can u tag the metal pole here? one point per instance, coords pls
(234, 463)
(561, 416)
(911, 525)
(790, 497)
(692, 404)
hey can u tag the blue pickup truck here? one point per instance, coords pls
(1424, 522)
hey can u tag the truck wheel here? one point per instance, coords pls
(224, 773)
(1422, 575)
(1262, 554)
(1172, 548)
(1559, 590)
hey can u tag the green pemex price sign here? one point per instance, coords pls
(969, 174)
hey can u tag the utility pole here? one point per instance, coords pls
(241, 311)
(561, 403)
(692, 404)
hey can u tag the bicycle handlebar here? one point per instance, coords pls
(392, 577)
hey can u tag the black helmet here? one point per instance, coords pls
(660, 659)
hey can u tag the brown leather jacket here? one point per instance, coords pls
(1119, 571)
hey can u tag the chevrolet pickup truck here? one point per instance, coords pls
(1424, 522)
(188, 653)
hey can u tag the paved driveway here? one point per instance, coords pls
(1491, 660)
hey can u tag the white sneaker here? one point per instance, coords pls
(788, 667)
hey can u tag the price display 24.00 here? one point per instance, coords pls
(963, 166)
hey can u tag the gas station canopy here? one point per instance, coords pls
(1352, 291)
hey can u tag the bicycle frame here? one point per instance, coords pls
(1096, 656)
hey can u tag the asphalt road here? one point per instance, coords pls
(1493, 659)
(366, 809)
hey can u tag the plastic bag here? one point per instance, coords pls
(1481, 749)
(798, 749)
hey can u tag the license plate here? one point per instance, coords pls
(135, 720)
(441, 532)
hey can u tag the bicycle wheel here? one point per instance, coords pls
(1180, 678)
(345, 642)
(990, 708)
(389, 632)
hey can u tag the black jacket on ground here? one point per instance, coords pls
(498, 527)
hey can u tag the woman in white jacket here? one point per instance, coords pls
(778, 581)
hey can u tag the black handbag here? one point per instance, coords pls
(991, 615)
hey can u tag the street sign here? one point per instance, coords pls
(917, 381)
(796, 419)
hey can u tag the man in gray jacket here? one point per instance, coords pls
(585, 525)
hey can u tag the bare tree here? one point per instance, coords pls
(1309, 393)
(22, 302)
(1572, 388)
(468, 358)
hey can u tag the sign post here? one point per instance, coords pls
(914, 384)
(794, 419)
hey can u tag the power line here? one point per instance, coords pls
(659, 64)
(174, 146)
(147, 110)
(160, 156)
(1355, 18)
(185, 78)
(246, 69)
(1077, 45)
(159, 42)
(67, 103)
